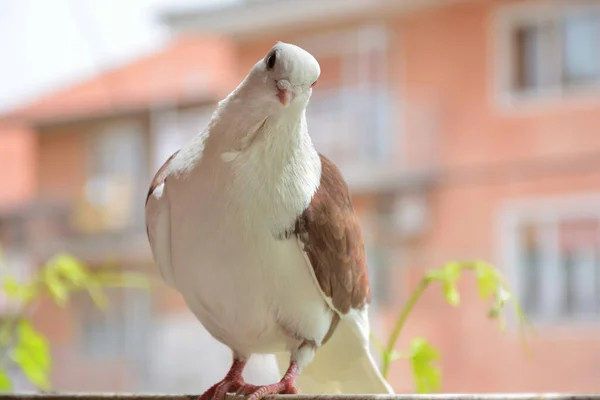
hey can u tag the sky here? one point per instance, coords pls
(48, 44)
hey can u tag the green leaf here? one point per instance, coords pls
(426, 374)
(32, 354)
(451, 294)
(35, 343)
(71, 269)
(57, 288)
(5, 382)
(11, 287)
(19, 291)
(503, 296)
(487, 281)
(448, 276)
(452, 271)
(32, 371)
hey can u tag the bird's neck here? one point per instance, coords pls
(273, 160)
(245, 120)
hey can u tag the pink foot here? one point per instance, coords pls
(233, 382)
(285, 386)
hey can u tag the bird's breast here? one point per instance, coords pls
(249, 290)
(273, 181)
(247, 287)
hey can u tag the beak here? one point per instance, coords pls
(285, 92)
(285, 96)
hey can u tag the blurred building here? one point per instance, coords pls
(465, 129)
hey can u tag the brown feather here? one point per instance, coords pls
(332, 237)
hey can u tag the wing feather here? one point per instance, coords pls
(158, 223)
(331, 236)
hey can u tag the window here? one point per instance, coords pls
(173, 128)
(116, 151)
(116, 166)
(556, 255)
(552, 49)
(347, 125)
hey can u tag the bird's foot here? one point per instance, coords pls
(285, 386)
(232, 382)
(228, 385)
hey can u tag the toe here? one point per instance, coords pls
(290, 389)
(225, 388)
(208, 395)
(283, 387)
(246, 389)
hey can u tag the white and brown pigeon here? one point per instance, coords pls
(258, 233)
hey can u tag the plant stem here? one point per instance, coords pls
(400, 321)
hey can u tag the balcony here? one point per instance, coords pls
(357, 129)
(91, 232)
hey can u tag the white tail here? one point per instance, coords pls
(343, 365)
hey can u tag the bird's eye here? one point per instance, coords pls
(271, 61)
(314, 83)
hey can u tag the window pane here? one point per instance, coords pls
(117, 150)
(582, 48)
(535, 48)
(578, 241)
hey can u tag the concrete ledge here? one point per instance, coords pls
(134, 396)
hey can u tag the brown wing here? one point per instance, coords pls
(160, 176)
(332, 237)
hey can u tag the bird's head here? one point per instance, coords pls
(287, 73)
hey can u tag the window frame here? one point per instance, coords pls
(504, 21)
(512, 214)
(96, 184)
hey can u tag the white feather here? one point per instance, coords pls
(158, 222)
(344, 364)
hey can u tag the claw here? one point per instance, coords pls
(285, 386)
(246, 389)
(282, 387)
(233, 381)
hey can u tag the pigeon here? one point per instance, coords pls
(257, 231)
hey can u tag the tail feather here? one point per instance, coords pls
(343, 365)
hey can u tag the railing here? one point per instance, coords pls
(43, 228)
(347, 123)
(371, 139)
(351, 127)
(127, 396)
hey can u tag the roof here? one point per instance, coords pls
(249, 19)
(189, 69)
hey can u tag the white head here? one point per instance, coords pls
(287, 73)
